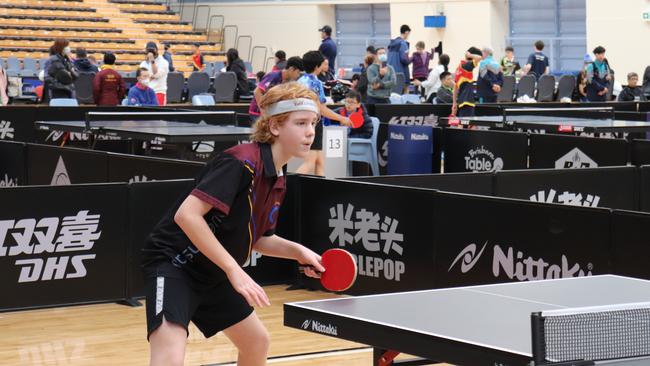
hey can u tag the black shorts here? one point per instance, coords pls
(466, 111)
(318, 137)
(211, 308)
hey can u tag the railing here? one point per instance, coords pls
(261, 63)
(215, 34)
(195, 22)
(241, 48)
(266, 64)
(227, 45)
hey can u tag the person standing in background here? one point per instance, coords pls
(490, 78)
(464, 101)
(328, 47)
(509, 66)
(598, 75)
(198, 63)
(433, 82)
(280, 61)
(168, 57)
(381, 79)
(158, 69)
(537, 64)
(108, 85)
(398, 55)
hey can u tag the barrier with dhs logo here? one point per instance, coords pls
(61, 245)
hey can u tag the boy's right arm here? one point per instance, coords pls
(189, 218)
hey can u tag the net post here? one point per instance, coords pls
(87, 121)
(537, 337)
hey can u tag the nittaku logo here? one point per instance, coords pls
(6, 131)
(55, 136)
(575, 159)
(482, 160)
(316, 326)
(469, 258)
(50, 235)
(8, 182)
(396, 136)
(419, 137)
(515, 266)
(431, 119)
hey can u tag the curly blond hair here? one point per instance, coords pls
(261, 128)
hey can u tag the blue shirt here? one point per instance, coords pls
(139, 96)
(538, 62)
(328, 49)
(315, 85)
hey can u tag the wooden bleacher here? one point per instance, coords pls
(28, 28)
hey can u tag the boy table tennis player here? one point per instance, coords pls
(361, 122)
(192, 259)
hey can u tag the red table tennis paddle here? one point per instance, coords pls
(453, 121)
(340, 270)
(357, 119)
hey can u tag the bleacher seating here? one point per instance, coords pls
(28, 28)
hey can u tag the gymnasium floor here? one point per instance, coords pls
(114, 334)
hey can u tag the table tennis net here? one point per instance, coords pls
(598, 333)
(150, 118)
(574, 112)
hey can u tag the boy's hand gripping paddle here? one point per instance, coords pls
(340, 270)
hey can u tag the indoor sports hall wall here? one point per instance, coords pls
(619, 28)
(292, 26)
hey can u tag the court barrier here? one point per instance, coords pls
(625, 188)
(405, 231)
(17, 123)
(76, 242)
(413, 238)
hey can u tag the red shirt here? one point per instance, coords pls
(108, 87)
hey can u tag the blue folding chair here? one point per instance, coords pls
(365, 150)
(411, 99)
(396, 99)
(29, 67)
(13, 66)
(64, 102)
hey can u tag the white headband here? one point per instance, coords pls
(292, 105)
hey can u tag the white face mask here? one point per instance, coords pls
(145, 82)
(382, 58)
(67, 50)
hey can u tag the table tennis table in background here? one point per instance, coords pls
(161, 127)
(599, 320)
(564, 120)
